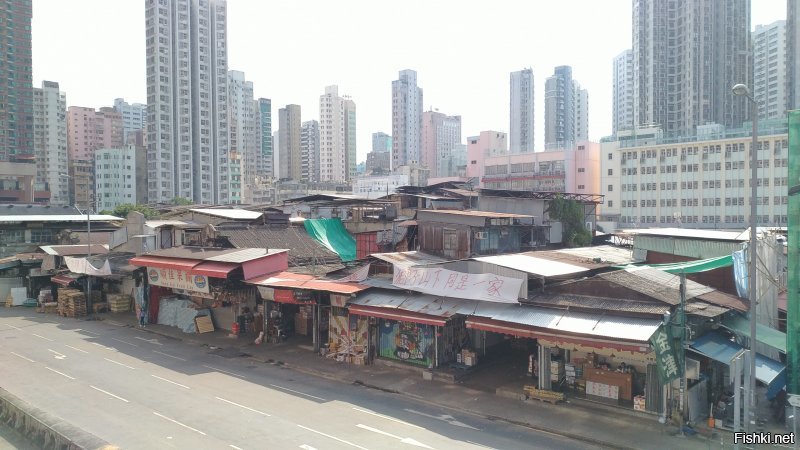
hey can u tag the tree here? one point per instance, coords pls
(570, 214)
(182, 201)
(125, 208)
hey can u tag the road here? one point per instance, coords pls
(136, 390)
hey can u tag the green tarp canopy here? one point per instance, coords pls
(332, 234)
(764, 334)
(702, 265)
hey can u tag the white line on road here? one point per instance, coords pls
(58, 355)
(108, 393)
(42, 337)
(165, 354)
(76, 348)
(332, 437)
(103, 346)
(117, 362)
(387, 418)
(169, 381)
(181, 424)
(62, 374)
(307, 447)
(298, 392)
(234, 447)
(125, 342)
(245, 407)
(444, 418)
(224, 371)
(23, 357)
(152, 341)
(409, 441)
(12, 326)
(86, 331)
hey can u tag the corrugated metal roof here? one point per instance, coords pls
(690, 248)
(474, 213)
(166, 223)
(60, 218)
(78, 249)
(312, 285)
(606, 253)
(525, 262)
(408, 259)
(734, 235)
(599, 303)
(655, 283)
(704, 309)
(229, 213)
(725, 300)
(717, 347)
(245, 254)
(303, 249)
(418, 303)
(628, 328)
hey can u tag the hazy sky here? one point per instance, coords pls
(462, 51)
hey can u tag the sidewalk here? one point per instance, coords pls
(582, 421)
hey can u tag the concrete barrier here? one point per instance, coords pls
(43, 429)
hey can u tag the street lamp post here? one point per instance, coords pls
(750, 405)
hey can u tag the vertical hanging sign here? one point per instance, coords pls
(666, 359)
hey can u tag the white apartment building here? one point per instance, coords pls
(440, 135)
(266, 160)
(650, 181)
(287, 142)
(50, 141)
(622, 103)
(337, 137)
(309, 151)
(581, 113)
(793, 52)
(406, 120)
(115, 177)
(566, 110)
(521, 111)
(134, 117)
(770, 70)
(187, 101)
(243, 133)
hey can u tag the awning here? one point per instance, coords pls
(214, 269)
(717, 347)
(164, 263)
(395, 314)
(8, 263)
(306, 282)
(65, 278)
(764, 334)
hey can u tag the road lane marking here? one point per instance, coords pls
(332, 437)
(86, 331)
(387, 418)
(169, 381)
(481, 445)
(108, 393)
(245, 407)
(234, 447)
(23, 357)
(444, 418)
(117, 362)
(58, 355)
(42, 337)
(165, 354)
(125, 342)
(103, 346)
(409, 441)
(152, 341)
(62, 374)
(224, 371)
(181, 424)
(12, 326)
(76, 348)
(298, 392)
(307, 447)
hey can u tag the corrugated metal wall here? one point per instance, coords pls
(366, 244)
(6, 284)
(692, 248)
(431, 240)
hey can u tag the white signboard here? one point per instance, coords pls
(794, 400)
(448, 283)
(177, 279)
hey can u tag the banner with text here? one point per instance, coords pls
(448, 283)
(666, 357)
(177, 279)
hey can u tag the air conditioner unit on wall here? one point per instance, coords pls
(482, 235)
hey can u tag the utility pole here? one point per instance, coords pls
(684, 399)
(89, 306)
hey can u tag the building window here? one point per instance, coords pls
(610, 172)
(610, 188)
(611, 203)
(610, 156)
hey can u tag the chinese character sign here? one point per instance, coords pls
(443, 282)
(666, 357)
(177, 279)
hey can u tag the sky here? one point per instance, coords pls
(463, 52)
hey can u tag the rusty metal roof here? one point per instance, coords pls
(298, 281)
(235, 255)
(475, 213)
(418, 303)
(303, 249)
(78, 249)
(599, 303)
(246, 254)
(408, 259)
(656, 284)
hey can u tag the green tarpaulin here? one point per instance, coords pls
(702, 265)
(332, 234)
(764, 334)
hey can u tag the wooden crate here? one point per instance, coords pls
(532, 392)
(204, 324)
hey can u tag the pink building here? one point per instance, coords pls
(479, 148)
(441, 134)
(89, 130)
(575, 171)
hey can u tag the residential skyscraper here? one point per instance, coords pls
(16, 88)
(770, 70)
(793, 52)
(309, 151)
(686, 58)
(381, 142)
(406, 120)
(117, 177)
(289, 126)
(242, 118)
(134, 117)
(566, 110)
(337, 146)
(521, 111)
(581, 113)
(440, 135)
(50, 140)
(622, 101)
(264, 124)
(187, 101)
(89, 130)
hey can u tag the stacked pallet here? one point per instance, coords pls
(118, 302)
(71, 303)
